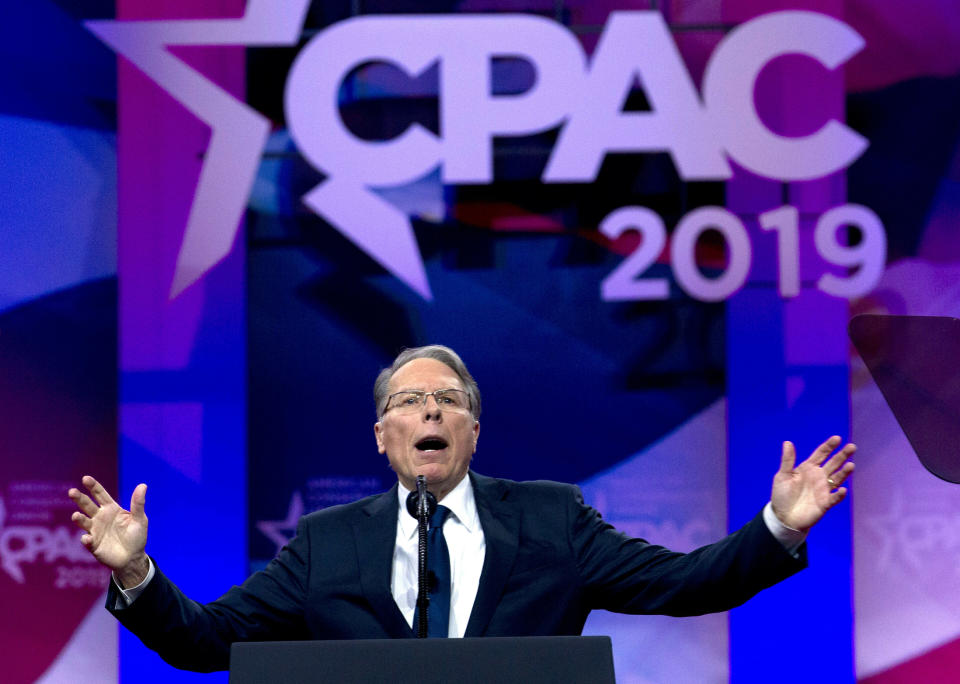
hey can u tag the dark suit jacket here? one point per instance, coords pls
(550, 560)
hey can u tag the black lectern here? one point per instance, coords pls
(530, 660)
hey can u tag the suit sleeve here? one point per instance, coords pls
(194, 636)
(629, 575)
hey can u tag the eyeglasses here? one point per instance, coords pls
(453, 400)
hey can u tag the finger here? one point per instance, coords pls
(86, 540)
(788, 457)
(840, 476)
(84, 503)
(100, 495)
(82, 521)
(137, 500)
(824, 450)
(838, 459)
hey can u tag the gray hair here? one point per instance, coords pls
(439, 353)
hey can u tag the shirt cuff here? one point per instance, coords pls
(128, 596)
(788, 537)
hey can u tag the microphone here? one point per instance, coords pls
(415, 497)
(421, 504)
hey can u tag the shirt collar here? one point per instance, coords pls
(460, 501)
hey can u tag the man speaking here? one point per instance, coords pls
(515, 558)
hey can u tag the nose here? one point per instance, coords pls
(431, 412)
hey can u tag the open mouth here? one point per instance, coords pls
(431, 444)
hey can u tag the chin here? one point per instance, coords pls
(434, 475)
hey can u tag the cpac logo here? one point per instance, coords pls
(26, 543)
(701, 131)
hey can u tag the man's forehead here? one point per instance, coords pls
(419, 373)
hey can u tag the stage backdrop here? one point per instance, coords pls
(644, 225)
(482, 183)
(58, 332)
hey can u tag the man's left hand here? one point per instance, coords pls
(802, 494)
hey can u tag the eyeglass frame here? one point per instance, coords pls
(424, 395)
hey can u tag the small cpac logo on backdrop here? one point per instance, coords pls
(702, 132)
(21, 544)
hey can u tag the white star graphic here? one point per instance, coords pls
(238, 137)
(238, 132)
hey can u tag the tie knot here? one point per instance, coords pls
(439, 516)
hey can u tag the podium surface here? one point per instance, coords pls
(425, 661)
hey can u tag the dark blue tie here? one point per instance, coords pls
(438, 569)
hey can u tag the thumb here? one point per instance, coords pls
(788, 458)
(138, 500)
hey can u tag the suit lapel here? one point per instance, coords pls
(501, 530)
(375, 535)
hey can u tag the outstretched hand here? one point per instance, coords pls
(116, 537)
(803, 494)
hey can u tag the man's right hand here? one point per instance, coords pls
(116, 537)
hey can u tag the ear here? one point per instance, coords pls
(476, 434)
(378, 433)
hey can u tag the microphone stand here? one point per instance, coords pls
(421, 504)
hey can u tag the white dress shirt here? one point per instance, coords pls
(467, 546)
(788, 537)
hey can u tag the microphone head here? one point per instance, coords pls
(413, 504)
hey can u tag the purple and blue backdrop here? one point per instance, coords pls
(644, 225)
